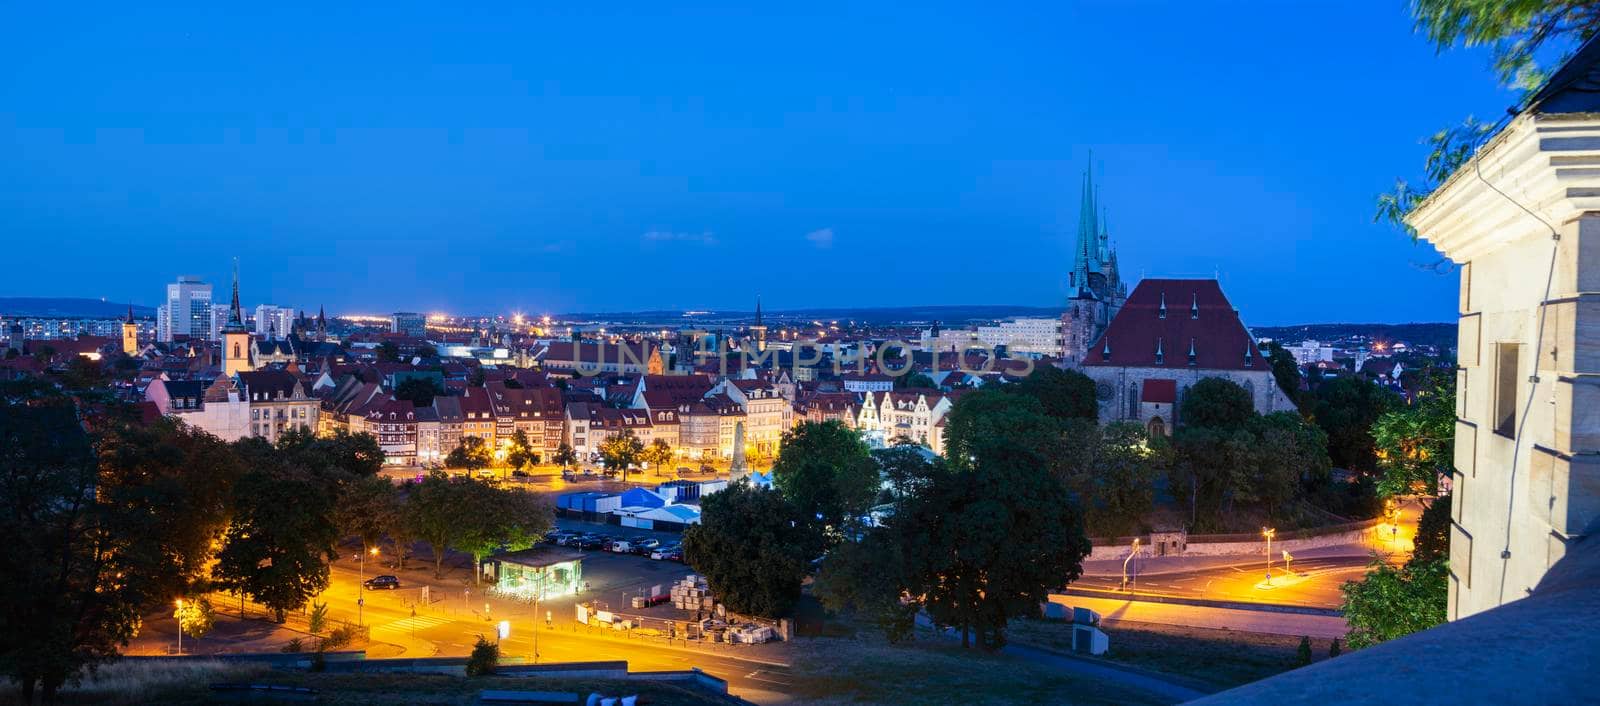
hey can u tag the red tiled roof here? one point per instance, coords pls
(1159, 390)
(1197, 317)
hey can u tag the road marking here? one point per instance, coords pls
(419, 622)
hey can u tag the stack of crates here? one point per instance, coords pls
(692, 593)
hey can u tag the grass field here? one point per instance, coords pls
(866, 670)
(1223, 658)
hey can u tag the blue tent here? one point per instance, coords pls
(639, 497)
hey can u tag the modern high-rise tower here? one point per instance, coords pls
(187, 310)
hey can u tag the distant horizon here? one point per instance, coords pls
(147, 311)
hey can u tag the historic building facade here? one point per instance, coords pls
(1169, 335)
(1524, 225)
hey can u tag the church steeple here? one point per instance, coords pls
(235, 315)
(237, 350)
(1086, 256)
(759, 331)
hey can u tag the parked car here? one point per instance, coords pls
(382, 583)
(621, 546)
(643, 547)
(665, 551)
(594, 541)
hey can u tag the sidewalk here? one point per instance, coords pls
(1156, 565)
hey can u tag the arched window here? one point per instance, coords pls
(236, 349)
(1133, 400)
(1157, 427)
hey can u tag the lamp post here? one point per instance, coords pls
(180, 626)
(361, 588)
(1268, 533)
(1131, 554)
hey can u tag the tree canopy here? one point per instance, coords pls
(752, 549)
(620, 451)
(1063, 394)
(1415, 443)
(472, 454)
(826, 472)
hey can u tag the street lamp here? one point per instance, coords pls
(180, 626)
(1268, 533)
(1131, 554)
(361, 588)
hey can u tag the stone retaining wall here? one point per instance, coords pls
(1245, 544)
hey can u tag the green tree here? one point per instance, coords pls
(826, 471)
(565, 457)
(619, 451)
(484, 659)
(77, 573)
(1117, 486)
(1346, 409)
(752, 548)
(521, 454)
(83, 374)
(868, 578)
(388, 352)
(1433, 532)
(1302, 655)
(658, 454)
(1415, 443)
(914, 381)
(471, 454)
(987, 544)
(904, 468)
(367, 508)
(993, 418)
(419, 390)
(1285, 369)
(1063, 394)
(433, 514)
(491, 519)
(196, 616)
(1217, 403)
(338, 458)
(283, 531)
(1393, 602)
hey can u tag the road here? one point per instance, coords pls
(1312, 582)
(451, 621)
(1114, 610)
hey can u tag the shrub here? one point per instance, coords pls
(293, 646)
(485, 655)
(1302, 656)
(339, 637)
(318, 620)
(1333, 649)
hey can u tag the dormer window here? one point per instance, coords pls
(1161, 354)
(1162, 312)
(1105, 353)
(1194, 307)
(1191, 351)
(1249, 354)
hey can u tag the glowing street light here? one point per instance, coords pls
(1131, 554)
(361, 587)
(1269, 533)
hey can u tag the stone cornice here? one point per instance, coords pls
(1549, 164)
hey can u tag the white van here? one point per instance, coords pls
(621, 546)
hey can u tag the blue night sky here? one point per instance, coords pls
(579, 159)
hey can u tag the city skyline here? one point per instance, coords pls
(499, 167)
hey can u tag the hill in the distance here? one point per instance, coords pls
(69, 307)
